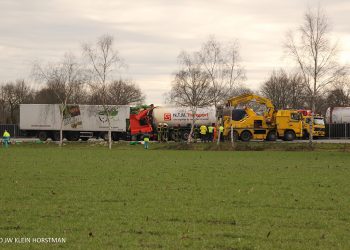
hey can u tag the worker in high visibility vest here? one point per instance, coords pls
(6, 139)
(146, 141)
(211, 133)
(221, 130)
(203, 130)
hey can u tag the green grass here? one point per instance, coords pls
(174, 199)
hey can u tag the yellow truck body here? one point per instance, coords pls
(289, 124)
(247, 126)
(270, 125)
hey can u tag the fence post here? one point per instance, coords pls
(14, 130)
(345, 130)
(329, 130)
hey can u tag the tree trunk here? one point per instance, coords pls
(232, 140)
(61, 131)
(61, 127)
(313, 108)
(311, 137)
(109, 134)
(218, 133)
(189, 139)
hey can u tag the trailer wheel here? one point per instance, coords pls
(42, 135)
(55, 135)
(115, 136)
(104, 136)
(185, 135)
(289, 135)
(271, 136)
(172, 136)
(246, 136)
(73, 136)
(84, 138)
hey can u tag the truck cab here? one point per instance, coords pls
(319, 127)
(289, 124)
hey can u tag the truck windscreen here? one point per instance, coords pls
(238, 114)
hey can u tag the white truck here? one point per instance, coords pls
(79, 121)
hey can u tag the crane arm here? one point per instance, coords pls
(245, 98)
(235, 101)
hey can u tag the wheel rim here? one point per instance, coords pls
(272, 136)
(42, 136)
(289, 136)
(245, 136)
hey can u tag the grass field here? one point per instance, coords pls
(174, 199)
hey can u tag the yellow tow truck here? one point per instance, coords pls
(268, 124)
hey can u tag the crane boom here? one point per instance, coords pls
(245, 98)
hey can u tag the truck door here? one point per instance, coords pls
(296, 124)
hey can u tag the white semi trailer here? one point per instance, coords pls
(79, 121)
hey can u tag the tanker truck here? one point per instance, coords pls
(176, 120)
(79, 121)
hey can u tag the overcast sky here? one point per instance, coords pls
(150, 34)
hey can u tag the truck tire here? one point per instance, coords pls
(271, 136)
(104, 136)
(185, 135)
(289, 135)
(246, 136)
(115, 136)
(172, 136)
(73, 136)
(42, 135)
(55, 136)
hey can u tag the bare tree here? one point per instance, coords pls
(104, 61)
(120, 92)
(14, 94)
(191, 87)
(125, 92)
(338, 98)
(62, 79)
(314, 54)
(285, 90)
(221, 63)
